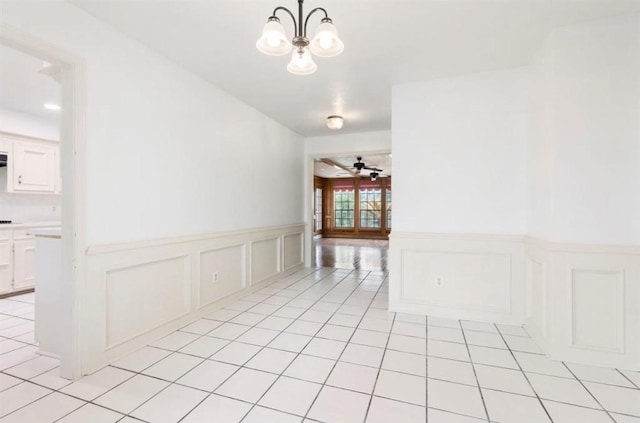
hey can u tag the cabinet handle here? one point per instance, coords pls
(20, 179)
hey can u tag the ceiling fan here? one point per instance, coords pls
(359, 165)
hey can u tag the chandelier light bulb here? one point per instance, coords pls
(325, 41)
(273, 41)
(335, 122)
(302, 63)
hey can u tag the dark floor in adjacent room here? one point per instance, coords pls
(345, 253)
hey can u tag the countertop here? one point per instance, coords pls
(47, 232)
(28, 225)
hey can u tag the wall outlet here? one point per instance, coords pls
(214, 277)
(439, 281)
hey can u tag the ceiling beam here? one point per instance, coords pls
(346, 169)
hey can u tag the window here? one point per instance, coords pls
(370, 204)
(343, 203)
(318, 210)
(388, 204)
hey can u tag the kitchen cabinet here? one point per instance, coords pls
(18, 258)
(33, 164)
(6, 262)
(32, 167)
(24, 265)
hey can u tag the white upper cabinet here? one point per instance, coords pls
(33, 167)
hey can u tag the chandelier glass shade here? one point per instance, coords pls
(302, 63)
(325, 43)
(274, 39)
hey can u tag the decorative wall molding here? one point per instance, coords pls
(597, 294)
(587, 302)
(138, 292)
(579, 302)
(474, 277)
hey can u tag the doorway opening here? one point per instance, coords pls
(43, 199)
(352, 211)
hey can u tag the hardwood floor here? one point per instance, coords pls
(359, 254)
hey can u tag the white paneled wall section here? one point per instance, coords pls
(141, 291)
(539, 169)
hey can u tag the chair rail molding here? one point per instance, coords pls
(139, 292)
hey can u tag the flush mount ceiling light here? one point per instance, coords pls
(325, 43)
(51, 106)
(335, 122)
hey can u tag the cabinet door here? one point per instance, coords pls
(24, 263)
(33, 167)
(6, 274)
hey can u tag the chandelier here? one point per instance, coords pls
(325, 43)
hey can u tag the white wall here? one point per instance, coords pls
(29, 125)
(359, 142)
(459, 148)
(27, 207)
(584, 174)
(555, 155)
(460, 144)
(168, 153)
(587, 125)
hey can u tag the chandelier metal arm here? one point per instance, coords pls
(293, 18)
(306, 21)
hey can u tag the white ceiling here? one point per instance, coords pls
(386, 42)
(326, 170)
(23, 88)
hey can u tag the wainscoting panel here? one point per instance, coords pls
(471, 277)
(585, 304)
(461, 280)
(292, 247)
(265, 259)
(138, 292)
(158, 292)
(597, 317)
(222, 272)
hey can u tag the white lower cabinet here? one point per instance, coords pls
(17, 260)
(6, 262)
(24, 263)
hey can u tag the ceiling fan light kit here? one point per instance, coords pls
(359, 165)
(335, 122)
(325, 43)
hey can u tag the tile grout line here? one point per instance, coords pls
(426, 363)
(626, 377)
(375, 383)
(473, 367)
(524, 374)
(587, 389)
(134, 373)
(262, 347)
(337, 360)
(239, 367)
(310, 340)
(319, 330)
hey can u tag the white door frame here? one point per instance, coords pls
(72, 166)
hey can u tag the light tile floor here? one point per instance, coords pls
(315, 346)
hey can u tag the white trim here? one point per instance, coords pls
(73, 121)
(108, 248)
